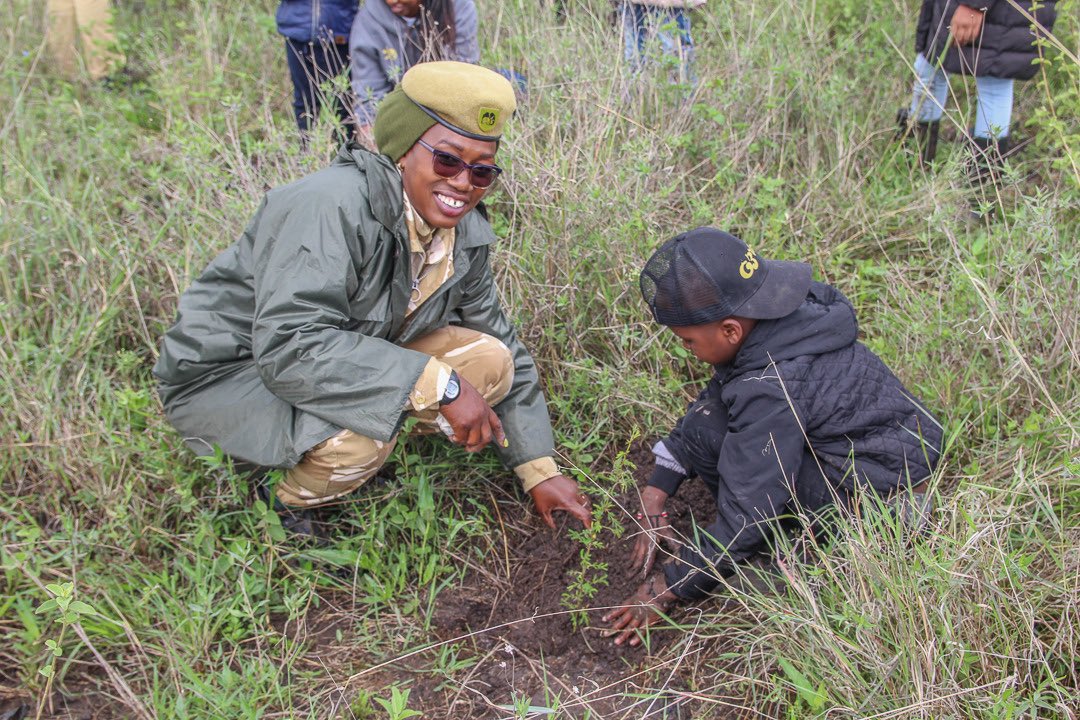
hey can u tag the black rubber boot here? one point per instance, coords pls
(988, 160)
(985, 171)
(298, 523)
(925, 135)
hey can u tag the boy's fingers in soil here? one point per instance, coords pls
(619, 617)
(632, 634)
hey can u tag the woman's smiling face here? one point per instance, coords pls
(404, 8)
(442, 202)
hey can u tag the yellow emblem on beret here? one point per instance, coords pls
(487, 118)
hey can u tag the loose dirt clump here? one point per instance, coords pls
(532, 645)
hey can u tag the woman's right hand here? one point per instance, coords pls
(966, 25)
(473, 421)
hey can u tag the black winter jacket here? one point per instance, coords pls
(1006, 48)
(800, 378)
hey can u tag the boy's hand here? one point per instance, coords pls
(654, 531)
(966, 25)
(655, 528)
(561, 493)
(641, 610)
(473, 421)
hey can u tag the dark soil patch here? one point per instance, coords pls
(512, 614)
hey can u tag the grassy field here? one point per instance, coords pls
(173, 595)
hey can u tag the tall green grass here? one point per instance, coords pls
(110, 202)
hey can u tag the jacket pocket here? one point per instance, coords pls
(370, 317)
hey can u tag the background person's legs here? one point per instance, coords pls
(338, 466)
(930, 90)
(60, 35)
(97, 38)
(672, 31)
(990, 136)
(632, 21)
(668, 29)
(305, 102)
(922, 120)
(993, 113)
(82, 29)
(310, 65)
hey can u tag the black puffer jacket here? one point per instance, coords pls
(865, 429)
(1006, 48)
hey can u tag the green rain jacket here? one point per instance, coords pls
(295, 331)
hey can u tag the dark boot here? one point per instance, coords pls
(988, 161)
(298, 523)
(985, 171)
(925, 135)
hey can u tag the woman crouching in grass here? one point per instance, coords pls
(360, 296)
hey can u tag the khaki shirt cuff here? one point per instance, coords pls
(429, 389)
(536, 471)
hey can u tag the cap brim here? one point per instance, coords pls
(782, 292)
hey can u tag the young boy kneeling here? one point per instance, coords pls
(798, 416)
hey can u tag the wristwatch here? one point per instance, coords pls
(453, 389)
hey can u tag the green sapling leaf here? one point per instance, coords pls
(82, 608)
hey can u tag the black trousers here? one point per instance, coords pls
(310, 65)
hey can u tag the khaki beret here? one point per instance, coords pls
(470, 100)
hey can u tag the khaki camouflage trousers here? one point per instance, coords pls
(340, 465)
(83, 29)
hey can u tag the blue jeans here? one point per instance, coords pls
(643, 26)
(993, 111)
(310, 65)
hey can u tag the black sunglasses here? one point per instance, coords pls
(448, 166)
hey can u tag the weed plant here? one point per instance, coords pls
(111, 201)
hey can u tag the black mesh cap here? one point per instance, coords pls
(707, 275)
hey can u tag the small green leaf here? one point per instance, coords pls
(82, 608)
(814, 698)
(46, 606)
(47, 671)
(55, 589)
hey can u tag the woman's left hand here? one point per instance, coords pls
(561, 493)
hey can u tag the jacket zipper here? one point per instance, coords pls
(445, 287)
